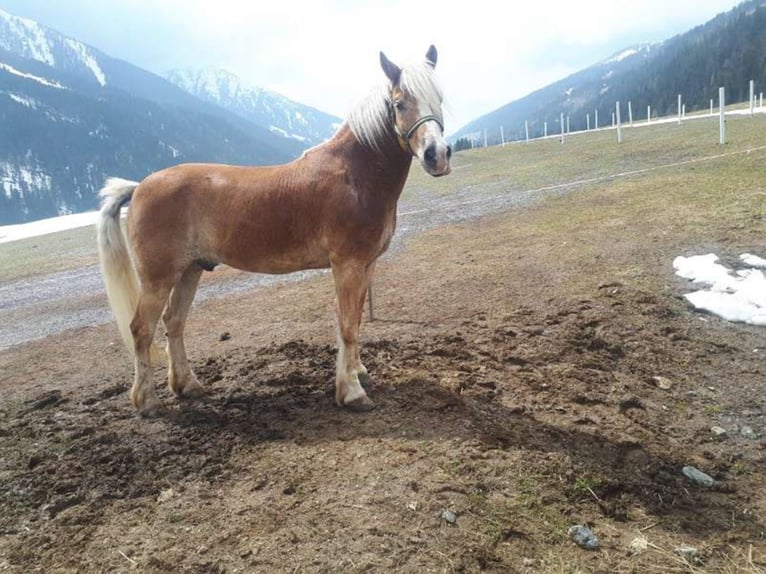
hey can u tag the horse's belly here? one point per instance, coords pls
(280, 263)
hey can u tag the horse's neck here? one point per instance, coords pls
(380, 172)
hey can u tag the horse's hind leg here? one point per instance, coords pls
(350, 284)
(181, 379)
(150, 304)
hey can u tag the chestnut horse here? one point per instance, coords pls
(333, 207)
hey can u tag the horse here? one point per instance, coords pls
(335, 206)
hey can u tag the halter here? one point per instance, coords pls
(406, 137)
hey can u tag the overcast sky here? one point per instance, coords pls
(324, 53)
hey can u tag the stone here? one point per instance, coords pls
(748, 433)
(449, 517)
(718, 431)
(698, 477)
(663, 383)
(688, 552)
(584, 537)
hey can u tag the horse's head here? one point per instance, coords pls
(416, 113)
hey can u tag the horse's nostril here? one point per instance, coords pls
(449, 151)
(430, 155)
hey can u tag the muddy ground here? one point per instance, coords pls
(525, 383)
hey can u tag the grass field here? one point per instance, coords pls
(515, 168)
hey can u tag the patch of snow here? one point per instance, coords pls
(281, 132)
(38, 79)
(173, 150)
(604, 90)
(753, 260)
(568, 92)
(622, 55)
(85, 56)
(32, 36)
(23, 101)
(19, 178)
(45, 226)
(739, 296)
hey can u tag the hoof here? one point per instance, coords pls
(151, 411)
(192, 392)
(361, 404)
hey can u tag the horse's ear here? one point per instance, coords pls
(431, 56)
(392, 71)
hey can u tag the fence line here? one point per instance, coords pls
(755, 102)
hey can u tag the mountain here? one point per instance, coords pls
(70, 116)
(260, 106)
(726, 51)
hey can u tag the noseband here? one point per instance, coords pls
(406, 137)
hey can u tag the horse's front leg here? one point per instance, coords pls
(351, 281)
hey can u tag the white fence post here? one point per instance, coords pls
(613, 121)
(596, 119)
(683, 111)
(761, 105)
(711, 106)
(752, 96)
(561, 120)
(587, 122)
(721, 115)
(648, 114)
(630, 113)
(526, 129)
(485, 138)
(545, 129)
(619, 124)
(502, 135)
(679, 109)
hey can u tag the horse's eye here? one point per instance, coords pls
(399, 105)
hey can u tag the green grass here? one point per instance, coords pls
(542, 163)
(60, 251)
(539, 164)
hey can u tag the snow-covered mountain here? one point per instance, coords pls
(28, 39)
(726, 51)
(71, 115)
(576, 95)
(261, 106)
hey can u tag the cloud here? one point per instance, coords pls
(325, 53)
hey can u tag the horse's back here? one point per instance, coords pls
(267, 219)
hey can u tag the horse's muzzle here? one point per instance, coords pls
(436, 158)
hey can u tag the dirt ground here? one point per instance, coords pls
(525, 382)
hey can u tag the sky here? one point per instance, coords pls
(324, 53)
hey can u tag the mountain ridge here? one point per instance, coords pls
(71, 115)
(262, 106)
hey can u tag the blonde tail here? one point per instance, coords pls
(116, 265)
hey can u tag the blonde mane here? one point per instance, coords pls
(369, 119)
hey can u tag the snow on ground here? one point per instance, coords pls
(46, 226)
(38, 79)
(733, 295)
